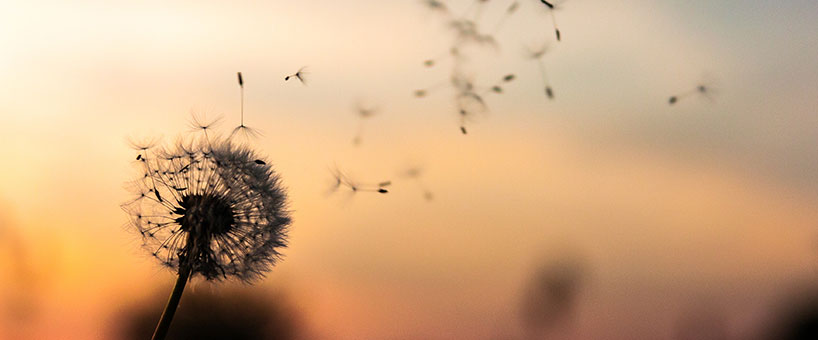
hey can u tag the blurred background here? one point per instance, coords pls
(603, 213)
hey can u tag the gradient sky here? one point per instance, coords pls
(668, 206)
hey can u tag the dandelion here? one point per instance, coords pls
(207, 208)
(300, 75)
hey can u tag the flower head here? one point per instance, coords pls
(210, 207)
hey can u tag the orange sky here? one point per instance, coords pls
(668, 206)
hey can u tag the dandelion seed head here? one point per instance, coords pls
(211, 206)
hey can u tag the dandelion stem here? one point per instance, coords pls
(173, 302)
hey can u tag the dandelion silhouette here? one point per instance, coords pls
(363, 112)
(207, 207)
(232, 312)
(243, 130)
(300, 75)
(537, 56)
(345, 182)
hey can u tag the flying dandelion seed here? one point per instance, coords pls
(242, 130)
(468, 29)
(209, 208)
(551, 8)
(469, 103)
(344, 181)
(414, 174)
(705, 89)
(363, 112)
(452, 52)
(420, 93)
(537, 55)
(300, 75)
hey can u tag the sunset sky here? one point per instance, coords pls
(667, 208)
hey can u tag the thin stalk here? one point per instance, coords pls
(173, 302)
